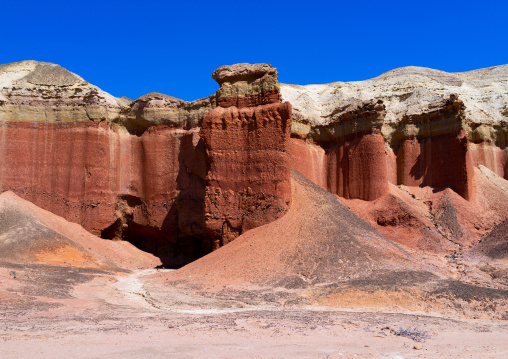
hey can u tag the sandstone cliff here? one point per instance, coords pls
(407, 150)
(122, 170)
(247, 151)
(137, 170)
(411, 128)
(419, 104)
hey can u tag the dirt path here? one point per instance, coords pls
(131, 287)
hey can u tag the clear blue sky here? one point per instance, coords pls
(131, 48)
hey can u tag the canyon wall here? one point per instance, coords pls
(434, 128)
(363, 154)
(180, 179)
(122, 169)
(143, 170)
(355, 163)
(410, 151)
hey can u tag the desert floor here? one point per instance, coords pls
(65, 312)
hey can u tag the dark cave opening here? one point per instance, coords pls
(174, 252)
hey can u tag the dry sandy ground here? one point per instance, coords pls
(265, 295)
(64, 312)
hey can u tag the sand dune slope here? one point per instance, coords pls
(29, 234)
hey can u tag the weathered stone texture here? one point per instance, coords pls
(182, 178)
(247, 152)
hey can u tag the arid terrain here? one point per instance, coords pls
(345, 220)
(58, 312)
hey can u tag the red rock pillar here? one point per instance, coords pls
(357, 161)
(247, 153)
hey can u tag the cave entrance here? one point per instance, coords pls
(173, 249)
(173, 252)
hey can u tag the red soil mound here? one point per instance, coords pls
(487, 262)
(437, 220)
(29, 234)
(318, 241)
(495, 245)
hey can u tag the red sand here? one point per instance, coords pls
(437, 220)
(317, 241)
(33, 235)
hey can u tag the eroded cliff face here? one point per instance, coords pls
(355, 163)
(410, 151)
(139, 170)
(122, 170)
(247, 151)
(420, 104)
(410, 128)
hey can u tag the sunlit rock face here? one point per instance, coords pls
(123, 170)
(180, 178)
(436, 126)
(420, 154)
(247, 152)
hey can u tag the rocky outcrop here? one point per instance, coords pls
(434, 130)
(105, 179)
(29, 234)
(247, 152)
(122, 170)
(34, 91)
(156, 109)
(356, 165)
(462, 114)
(136, 170)
(319, 241)
(436, 124)
(246, 85)
(431, 147)
(181, 178)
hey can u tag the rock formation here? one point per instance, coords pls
(431, 129)
(181, 178)
(246, 85)
(409, 170)
(319, 241)
(29, 234)
(356, 162)
(436, 127)
(129, 172)
(247, 150)
(321, 253)
(137, 170)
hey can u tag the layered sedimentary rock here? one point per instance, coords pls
(136, 170)
(29, 234)
(246, 85)
(356, 165)
(122, 170)
(154, 172)
(431, 147)
(247, 152)
(156, 109)
(442, 115)
(434, 129)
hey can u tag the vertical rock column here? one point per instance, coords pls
(247, 153)
(434, 148)
(356, 161)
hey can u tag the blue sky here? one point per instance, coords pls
(131, 48)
